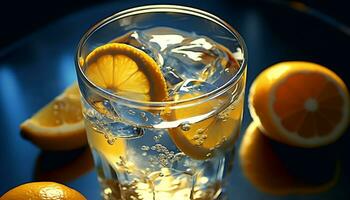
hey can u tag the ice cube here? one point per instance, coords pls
(136, 116)
(191, 86)
(141, 40)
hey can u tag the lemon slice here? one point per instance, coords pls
(300, 103)
(59, 125)
(126, 71)
(200, 139)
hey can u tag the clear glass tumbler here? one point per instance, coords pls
(182, 147)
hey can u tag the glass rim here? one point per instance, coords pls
(162, 9)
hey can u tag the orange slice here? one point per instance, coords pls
(199, 140)
(126, 71)
(267, 170)
(42, 190)
(300, 103)
(59, 125)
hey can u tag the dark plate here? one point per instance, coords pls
(41, 65)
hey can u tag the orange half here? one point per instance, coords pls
(300, 103)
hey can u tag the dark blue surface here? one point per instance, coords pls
(41, 65)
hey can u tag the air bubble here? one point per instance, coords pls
(145, 148)
(190, 171)
(156, 138)
(58, 121)
(131, 112)
(144, 117)
(144, 154)
(111, 141)
(203, 180)
(185, 126)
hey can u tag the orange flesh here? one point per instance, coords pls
(292, 95)
(59, 112)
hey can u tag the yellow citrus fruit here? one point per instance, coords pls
(59, 125)
(126, 71)
(42, 191)
(204, 137)
(300, 103)
(263, 167)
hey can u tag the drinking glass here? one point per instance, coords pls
(180, 148)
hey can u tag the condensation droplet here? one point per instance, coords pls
(144, 154)
(58, 121)
(200, 131)
(208, 155)
(185, 126)
(55, 112)
(55, 106)
(195, 137)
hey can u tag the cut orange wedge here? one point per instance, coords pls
(126, 71)
(59, 125)
(300, 103)
(199, 140)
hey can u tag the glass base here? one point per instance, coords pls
(112, 190)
